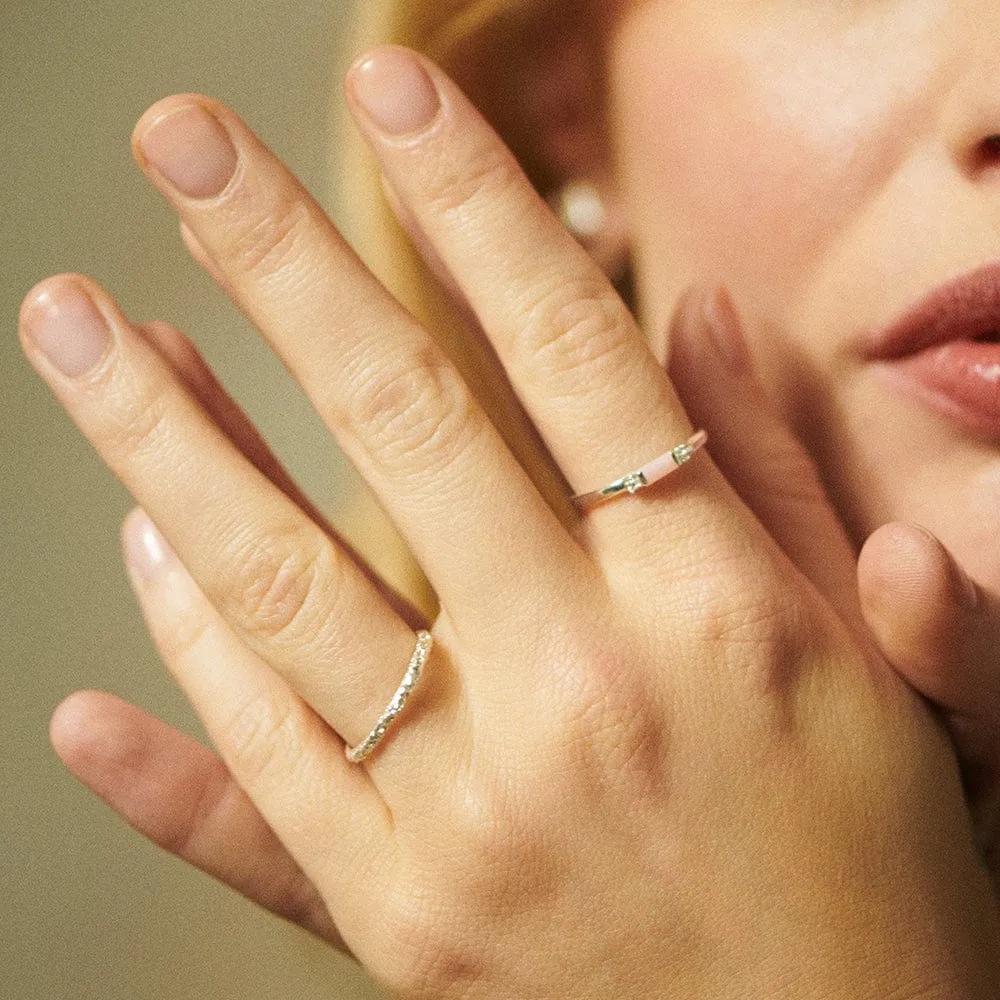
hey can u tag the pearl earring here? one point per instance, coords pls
(592, 220)
(580, 209)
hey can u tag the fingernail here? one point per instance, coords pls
(66, 326)
(146, 550)
(726, 331)
(395, 91)
(190, 148)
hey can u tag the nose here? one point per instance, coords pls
(977, 140)
(972, 118)
(987, 153)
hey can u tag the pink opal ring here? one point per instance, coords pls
(651, 472)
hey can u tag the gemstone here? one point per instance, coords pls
(683, 453)
(634, 482)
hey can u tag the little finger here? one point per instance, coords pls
(180, 796)
(323, 809)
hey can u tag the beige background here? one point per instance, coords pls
(87, 909)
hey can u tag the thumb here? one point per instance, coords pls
(941, 633)
(934, 625)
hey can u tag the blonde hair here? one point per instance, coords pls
(456, 34)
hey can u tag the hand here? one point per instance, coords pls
(934, 625)
(750, 786)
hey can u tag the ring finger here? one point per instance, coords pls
(396, 405)
(281, 583)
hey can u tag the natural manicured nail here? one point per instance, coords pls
(146, 550)
(190, 148)
(726, 331)
(395, 91)
(66, 326)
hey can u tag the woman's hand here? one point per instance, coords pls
(648, 758)
(934, 625)
(938, 629)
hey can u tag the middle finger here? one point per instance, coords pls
(396, 405)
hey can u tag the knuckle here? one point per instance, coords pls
(455, 185)
(575, 331)
(759, 630)
(744, 610)
(412, 414)
(755, 620)
(268, 243)
(265, 736)
(611, 720)
(435, 955)
(499, 836)
(497, 851)
(738, 609)
(283, 589)
(618, 737)
(140, 425)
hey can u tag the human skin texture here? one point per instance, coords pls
(829, 163)
(832, 164)
(746, 803)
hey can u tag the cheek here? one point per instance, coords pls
(716, 185)
(745, 154)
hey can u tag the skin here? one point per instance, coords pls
(864, 177)
(827, 162)
(897, 742)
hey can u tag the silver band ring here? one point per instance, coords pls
(651, 472)
(367, 746)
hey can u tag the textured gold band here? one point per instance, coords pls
(367, 746)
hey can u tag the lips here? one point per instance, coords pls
(946, 350)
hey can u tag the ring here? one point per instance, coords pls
(367, 746)
(650, 473)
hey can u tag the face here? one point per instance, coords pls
(830, 162)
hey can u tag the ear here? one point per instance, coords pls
(563, 104)
(537, 75)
